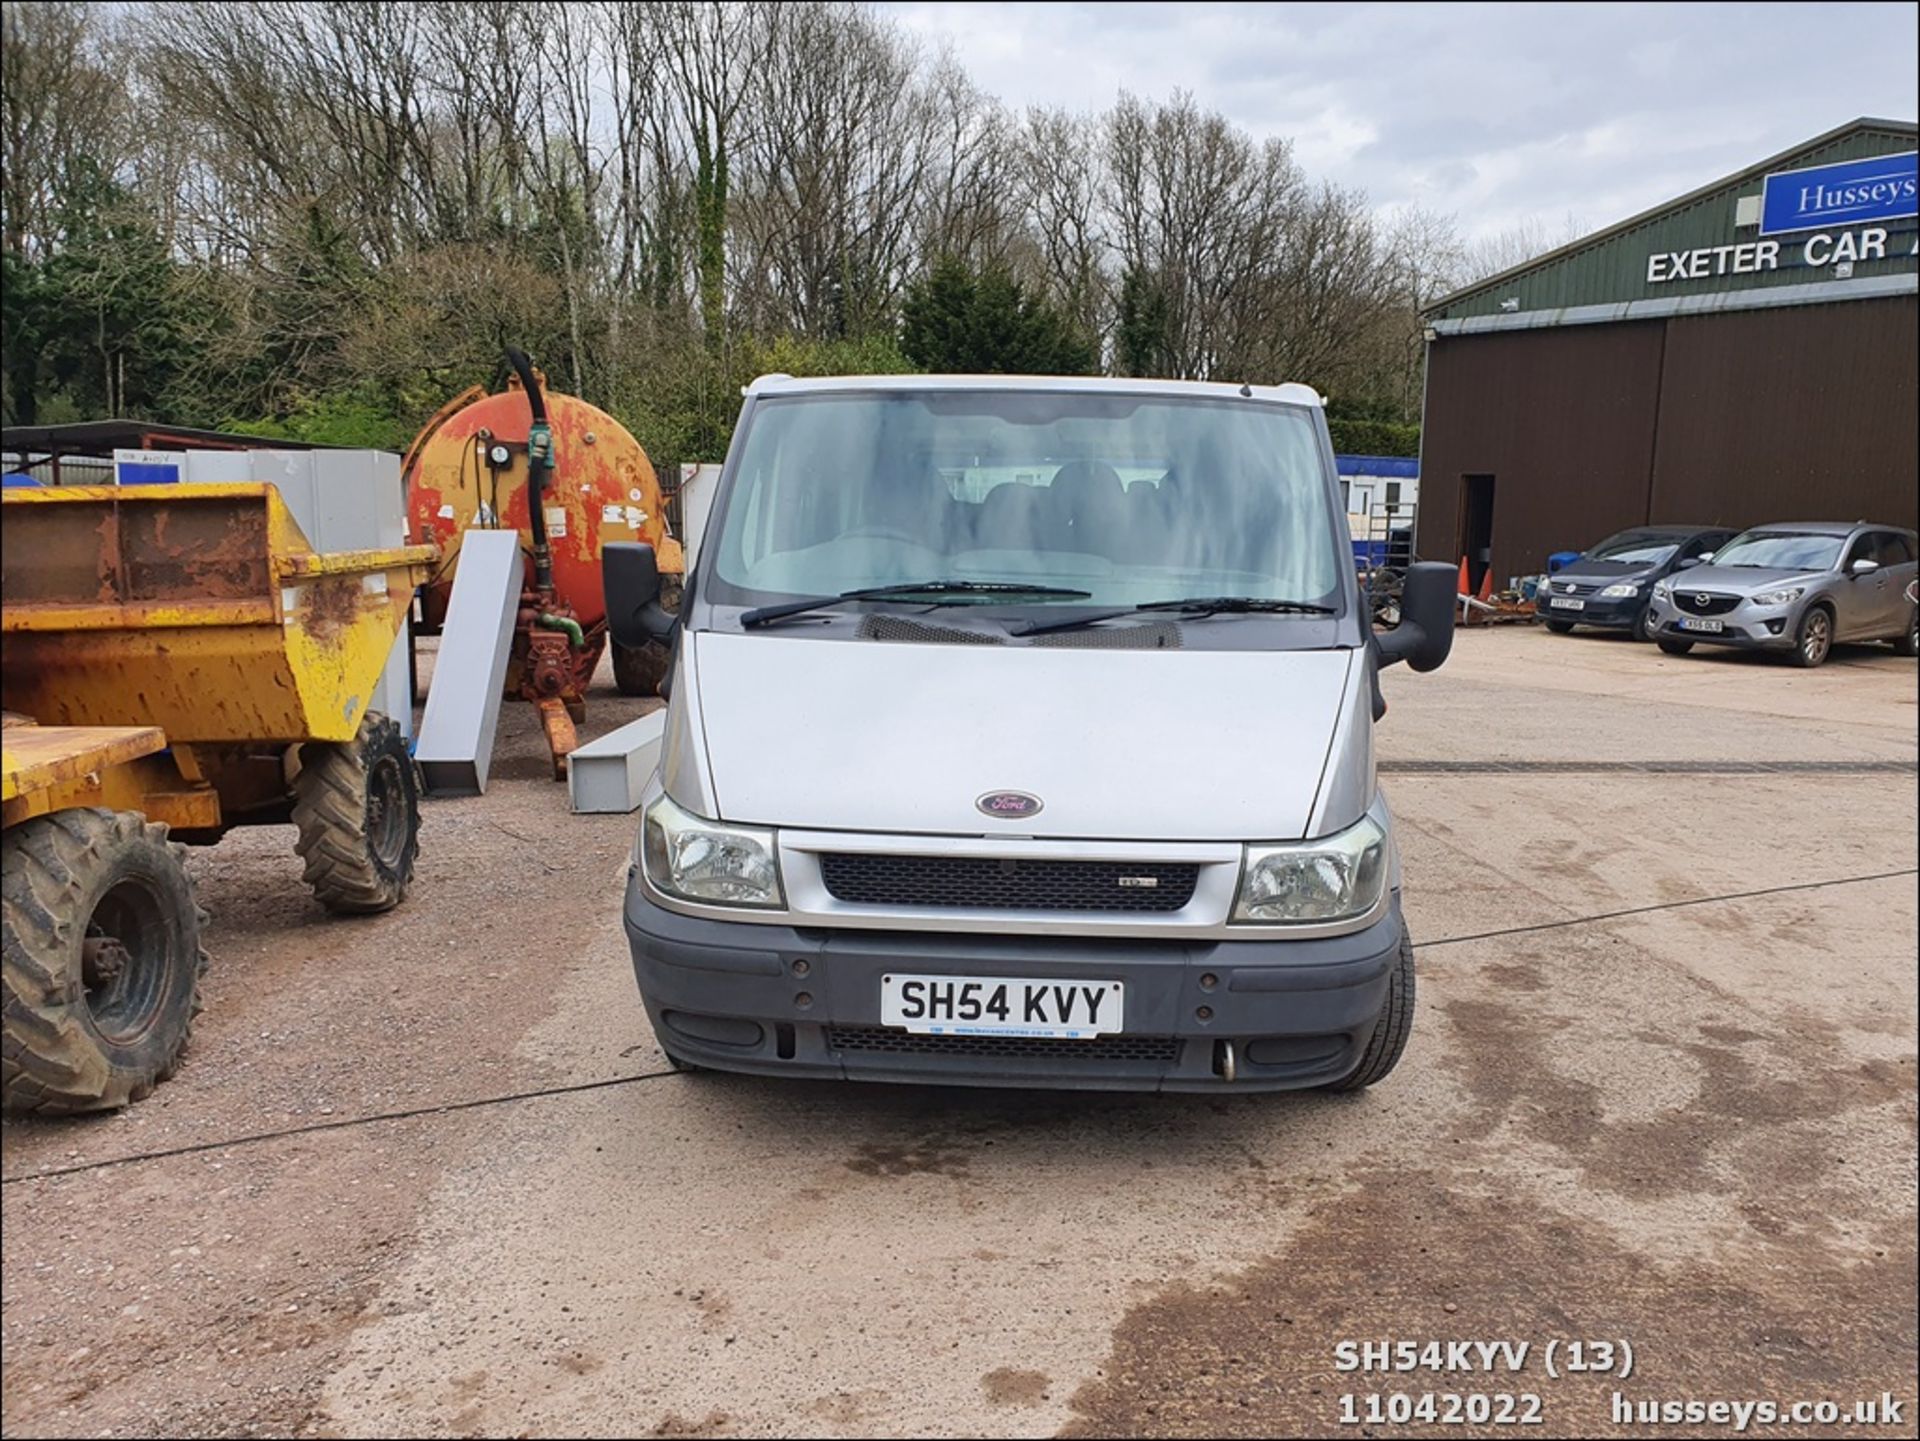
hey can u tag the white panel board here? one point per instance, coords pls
(607, 775)
(455, 748)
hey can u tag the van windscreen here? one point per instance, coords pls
(1129, 498)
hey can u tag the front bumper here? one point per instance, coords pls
(1616, 614)
(1747, 626)
(779, 1000)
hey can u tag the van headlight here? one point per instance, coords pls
(1333, 879)
(701, 860)
(1619, 592)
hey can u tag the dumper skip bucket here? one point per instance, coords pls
(198, 608)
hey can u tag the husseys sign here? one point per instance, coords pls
(1853, 192)
(1846, 204)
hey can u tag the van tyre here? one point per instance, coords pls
(1642, 624)
(1675, 647)
(357, 807)
(100, 979)
(637, 670)
(1813, 638)
(1560, 627)
(1390, 1031)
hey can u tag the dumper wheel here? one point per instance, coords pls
(102, 961)
(1389, 1037)
(357, 807)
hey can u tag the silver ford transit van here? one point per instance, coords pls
(1019, 733)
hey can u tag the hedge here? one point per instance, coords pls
(1374, 437)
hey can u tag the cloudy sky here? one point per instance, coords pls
(1497, 114)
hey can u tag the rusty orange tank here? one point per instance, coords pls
(468, 468)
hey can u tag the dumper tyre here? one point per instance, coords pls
(356, 805)
(1390, 1031)
(102, 961)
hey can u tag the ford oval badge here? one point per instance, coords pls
(1009, 805)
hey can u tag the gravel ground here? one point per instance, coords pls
(1692, 1127)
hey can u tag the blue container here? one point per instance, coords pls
(1561, 559)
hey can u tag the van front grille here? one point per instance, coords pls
(1156, 1049)
(992, 883)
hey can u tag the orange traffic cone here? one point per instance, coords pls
(1466, 586)
(1486, 585)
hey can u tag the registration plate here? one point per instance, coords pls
(1690, 622)
(1560, 602)
(1002, 1006)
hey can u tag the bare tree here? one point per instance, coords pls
(830, 175)
(1199, 208)
(1488, 255)
(713, 52)
(1062, 180)
(58, 104)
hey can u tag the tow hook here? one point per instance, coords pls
(1224, 1064)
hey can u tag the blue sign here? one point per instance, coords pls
(1854, 192)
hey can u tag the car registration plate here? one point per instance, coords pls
(1561, 602)
(1002, 1006)
(1712, 627)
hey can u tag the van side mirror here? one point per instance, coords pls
(630, 574)
(1863, 566)
(1425, 633)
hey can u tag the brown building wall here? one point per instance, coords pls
(1562, 419)
(1811, 413)
(1808, 412)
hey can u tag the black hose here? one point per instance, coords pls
(539, 463)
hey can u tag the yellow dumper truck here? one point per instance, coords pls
(175, 660)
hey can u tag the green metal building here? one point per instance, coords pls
(1745, 353)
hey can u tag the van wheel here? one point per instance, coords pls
(1560, 627)
(1643, 624)
(1390, 1031)
(1813, 641)
(1675, 647)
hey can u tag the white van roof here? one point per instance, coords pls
(1291, 393)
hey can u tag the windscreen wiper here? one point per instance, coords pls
(1195, 606)
(911, 590)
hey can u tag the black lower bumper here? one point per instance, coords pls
(775, 1000)
(1602, 614)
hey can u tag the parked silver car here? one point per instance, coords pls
(1795, 587)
